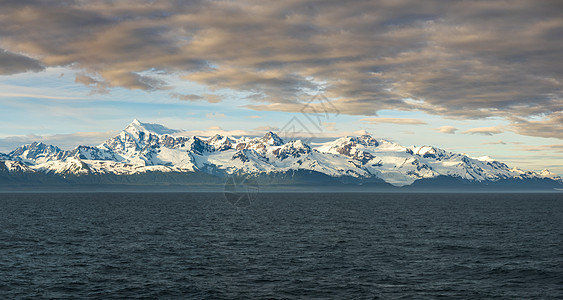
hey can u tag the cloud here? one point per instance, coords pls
(254, 117)
(99, 86)
(13, 63)
(484, 130)
(64, 141)
(329, 126)
(259, 131)
(499, 142)
(549, 127)
(21, 95)
(188, 97)
(459, 59)
(267, 128)
(558, 148)
(192, 97)
(400, 121)
(212, 98)
(213, 130)
(446, 129)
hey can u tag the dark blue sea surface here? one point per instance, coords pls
(282, 246)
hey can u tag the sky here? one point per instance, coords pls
(474, 77)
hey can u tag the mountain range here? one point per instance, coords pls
(152, 154)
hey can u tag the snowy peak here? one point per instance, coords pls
(10, 166)
(261, 145)
(430, 152)
(220, 143)
(272, 139)
(292, 149)
(36, 151)
(547, 174)
(367, 140)
(139, 136)
(199, 146)
(346, 146)
(485, 158)
(137, 126)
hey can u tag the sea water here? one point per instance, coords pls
(281, 246)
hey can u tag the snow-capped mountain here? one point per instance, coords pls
(142, 148)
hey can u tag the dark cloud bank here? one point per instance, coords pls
(458, 59)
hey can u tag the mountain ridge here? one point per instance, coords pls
(153, 148)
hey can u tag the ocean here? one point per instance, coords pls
(281, 245)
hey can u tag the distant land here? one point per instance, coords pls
(151, 156)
